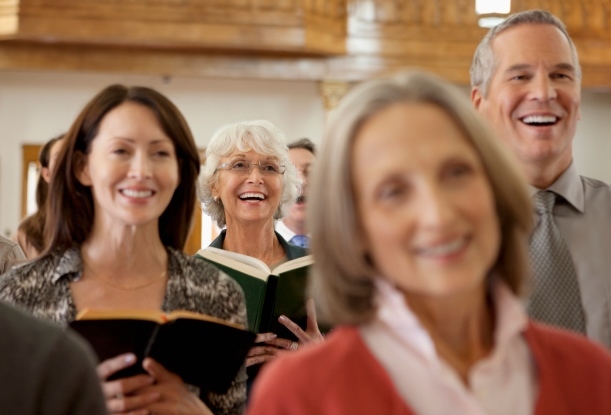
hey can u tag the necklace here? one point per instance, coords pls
(121, 287)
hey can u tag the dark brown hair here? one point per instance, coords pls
(71, 209)
(33, 227)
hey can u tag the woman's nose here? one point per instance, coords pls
(435, 208)
(141, 167)
(254, 175)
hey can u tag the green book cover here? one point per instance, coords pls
(269, 293)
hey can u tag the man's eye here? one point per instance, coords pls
(560, 76)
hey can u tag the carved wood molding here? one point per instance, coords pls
(342, 40)
(332, 92)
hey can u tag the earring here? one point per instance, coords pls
(216, 199)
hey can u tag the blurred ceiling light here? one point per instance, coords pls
(491, 12)
(492, 6)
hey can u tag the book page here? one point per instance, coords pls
(243, 263)
(204, 317)
(293, 264)
(150, 315)
(123, 314)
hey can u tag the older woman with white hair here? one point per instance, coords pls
(247, 183)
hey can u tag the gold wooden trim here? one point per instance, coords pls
(332, 92)
(29, 154)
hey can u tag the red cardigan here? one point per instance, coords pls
(341, 376)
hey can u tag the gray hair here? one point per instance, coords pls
(484, 62)
(261, 136)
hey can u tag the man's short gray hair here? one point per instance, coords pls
(484, 62)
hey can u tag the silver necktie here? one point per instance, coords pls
(555, 298)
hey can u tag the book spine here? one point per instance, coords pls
(267, 313)
(151, 341)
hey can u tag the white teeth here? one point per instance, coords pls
(137, 193)
(539, 119)
(445, 249)
(259, 196)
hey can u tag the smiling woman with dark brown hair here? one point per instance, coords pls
(123, 197)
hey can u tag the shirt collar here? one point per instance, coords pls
(569, 186)
(394, 312)
(284, 230)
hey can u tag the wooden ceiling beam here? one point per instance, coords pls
(343, 40)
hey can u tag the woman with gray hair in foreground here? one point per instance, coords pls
(419, 226)
(246, 184)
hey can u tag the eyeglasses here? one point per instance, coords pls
(266, 168)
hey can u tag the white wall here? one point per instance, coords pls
(592, 143)
(35, 106)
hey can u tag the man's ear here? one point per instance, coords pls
(476, 97)
(81, 169)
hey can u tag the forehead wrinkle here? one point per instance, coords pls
(525, 66)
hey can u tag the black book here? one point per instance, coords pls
(204, 351)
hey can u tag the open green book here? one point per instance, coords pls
(269, 293)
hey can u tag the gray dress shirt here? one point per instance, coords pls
(584, 220)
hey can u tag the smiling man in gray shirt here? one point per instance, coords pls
(526, 82)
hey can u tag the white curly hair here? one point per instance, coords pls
(261, 136)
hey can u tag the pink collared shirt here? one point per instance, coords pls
(503, 383)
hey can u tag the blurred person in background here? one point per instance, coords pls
(419, 223)
(292, 227)
(31, 232)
